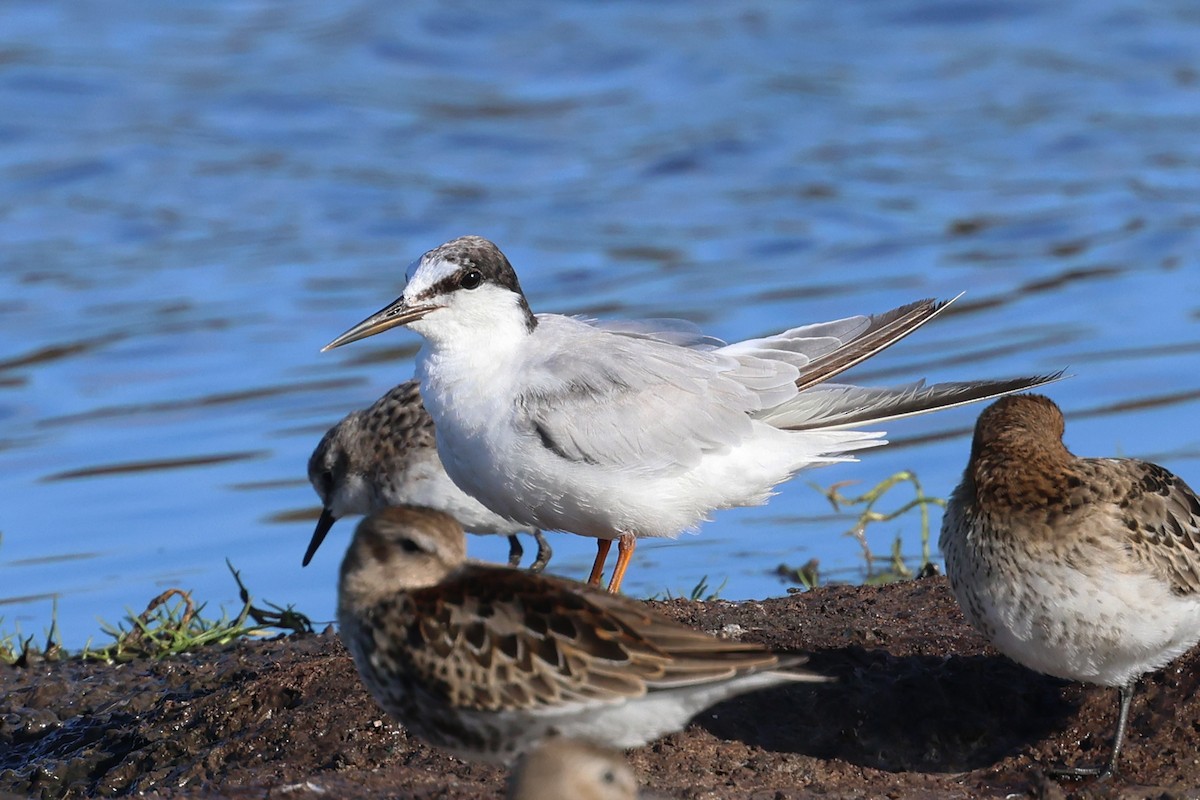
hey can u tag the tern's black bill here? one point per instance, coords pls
(396, 313)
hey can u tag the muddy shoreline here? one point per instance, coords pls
(922, 709)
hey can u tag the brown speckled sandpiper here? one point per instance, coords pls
(1083, 568)
(487, 661)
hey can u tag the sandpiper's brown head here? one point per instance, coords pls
(400, 548)
(567, 768)
(1018, 447)
(1019, 426)
(1030, 420)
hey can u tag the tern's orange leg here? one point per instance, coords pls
(625, 547)
(602, 548)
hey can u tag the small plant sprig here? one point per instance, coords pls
(897, 568)
(163, 630)
(701, 591)
(172, 623)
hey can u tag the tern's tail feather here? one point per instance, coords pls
(837, 406)
(822, 350)
(880, 332)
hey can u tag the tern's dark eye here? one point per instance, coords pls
(471, 279)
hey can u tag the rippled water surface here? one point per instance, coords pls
(195, 197)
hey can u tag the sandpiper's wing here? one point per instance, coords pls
(1159, 515)
(399, 418)
(495, 639)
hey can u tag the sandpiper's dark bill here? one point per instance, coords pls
(324, 523)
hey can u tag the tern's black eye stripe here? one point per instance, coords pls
(474, 262)
(443, 286)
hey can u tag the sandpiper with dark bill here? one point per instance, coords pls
(488, 661)
(566, 769)
(386, 455)
(625, 429)
(1082, 568)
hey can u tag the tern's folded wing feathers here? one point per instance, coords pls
(642, 404)
(801, 346)
(513, 639)
(841, 406)
(880, 332)
(678, 332)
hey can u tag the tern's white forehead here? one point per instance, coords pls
(430, 271)
(440, 271)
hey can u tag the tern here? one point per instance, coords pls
(619, 430)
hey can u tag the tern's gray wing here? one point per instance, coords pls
(819, 351)
(635, 402)
(822, 350)
(801, 346)
(832, 406)
(881, 331)
(671, 331)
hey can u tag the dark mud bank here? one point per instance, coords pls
(922, 708)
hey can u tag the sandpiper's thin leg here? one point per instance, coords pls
(543, 555)
(515, 551)
(1109, 769)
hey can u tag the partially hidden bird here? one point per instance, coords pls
(386, 455)
(568, 769)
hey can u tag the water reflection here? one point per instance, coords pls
(196, 199)
(158, 465)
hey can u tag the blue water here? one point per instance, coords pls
(195, 197)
